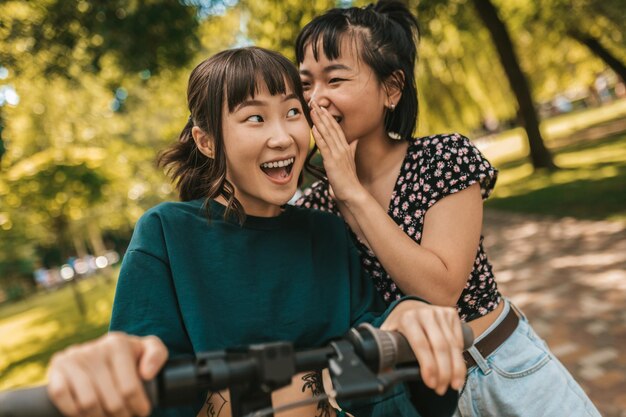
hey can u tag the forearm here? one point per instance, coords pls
(351, 221)
(415, 269)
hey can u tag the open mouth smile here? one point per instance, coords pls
(279, 171)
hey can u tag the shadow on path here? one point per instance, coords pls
(569, 278)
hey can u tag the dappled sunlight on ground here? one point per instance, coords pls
(569, 277)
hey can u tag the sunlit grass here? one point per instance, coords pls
(512, 144)
(567, 124)
(33, 329)
(591, 183)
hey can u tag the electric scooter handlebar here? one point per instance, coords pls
(355, 362)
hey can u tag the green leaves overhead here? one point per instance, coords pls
(70, 36)
(275, 24)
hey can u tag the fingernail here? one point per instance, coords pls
(150, 369)
(458, 384)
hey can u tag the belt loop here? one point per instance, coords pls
(480, 361)
(519, 312)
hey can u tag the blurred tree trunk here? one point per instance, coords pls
(539, 154)
(2, 148)
(95, 239)
(99, 249)
(79, 245)
(62, 233)
(601, 52)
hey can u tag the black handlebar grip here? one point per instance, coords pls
(34, 402)
(28, 402)
(394, 349)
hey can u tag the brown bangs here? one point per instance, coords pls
(250, 67)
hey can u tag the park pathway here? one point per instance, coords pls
(569, 278)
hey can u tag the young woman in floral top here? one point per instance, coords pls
(415, 204)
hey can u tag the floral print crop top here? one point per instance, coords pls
(434, 167)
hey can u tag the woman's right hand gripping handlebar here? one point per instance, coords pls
(105, 377)
(436, 338)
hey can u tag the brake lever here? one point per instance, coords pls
(351, 377)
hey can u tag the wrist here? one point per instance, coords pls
(357, 198)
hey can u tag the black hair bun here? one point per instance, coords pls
(398, 12)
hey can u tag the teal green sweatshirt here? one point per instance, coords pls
(201, 284)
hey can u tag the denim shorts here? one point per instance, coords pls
(521, 378)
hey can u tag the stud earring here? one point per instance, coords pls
(394, 135)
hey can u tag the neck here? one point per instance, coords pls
(377, 155)
(264, 211)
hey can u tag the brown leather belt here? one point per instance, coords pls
(495, 338)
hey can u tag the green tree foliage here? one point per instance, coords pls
(598, 25)
(72, 36)
(84, 137)
(57, 194)
(553, 61)
(275, 24)
(460, 81)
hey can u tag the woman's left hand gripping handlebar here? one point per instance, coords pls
(105, 377)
